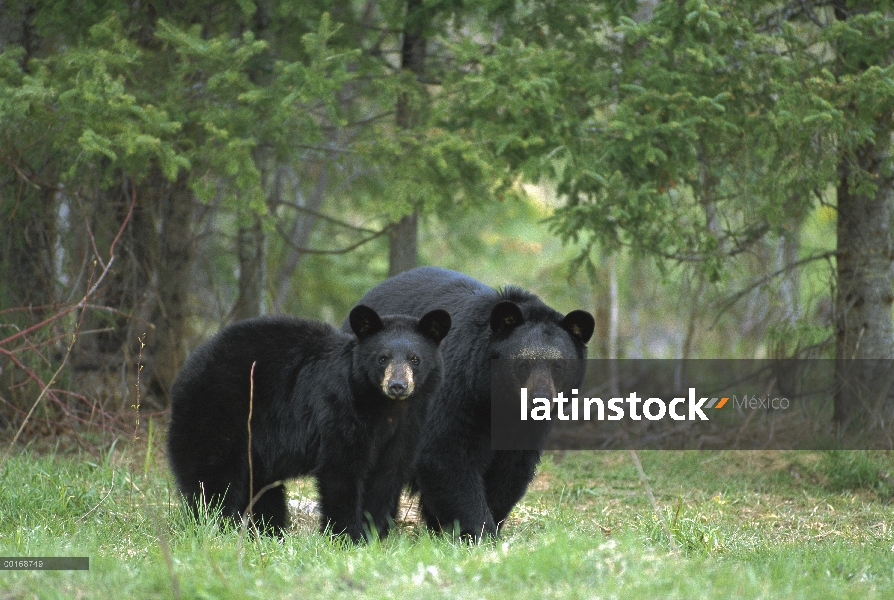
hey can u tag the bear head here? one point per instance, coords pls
(399, 354)
(543, 353)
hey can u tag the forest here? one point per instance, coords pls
(710, 179)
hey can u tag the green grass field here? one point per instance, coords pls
(742, 524)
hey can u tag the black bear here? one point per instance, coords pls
(465, 486)
(347, 408)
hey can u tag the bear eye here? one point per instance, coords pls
(414, 359)
(558, 369)
(383, 359)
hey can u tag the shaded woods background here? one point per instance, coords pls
(710, 180)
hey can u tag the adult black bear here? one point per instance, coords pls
(465, 486)
(347, 408)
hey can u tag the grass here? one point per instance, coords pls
(744, 524)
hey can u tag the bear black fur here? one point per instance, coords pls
(346, 408)
(465, 486)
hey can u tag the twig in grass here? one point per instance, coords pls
(159, 531)
(133, 485)
(634, 456)
(136, 427)
(86, 514)
(245, 515)
(251, 402)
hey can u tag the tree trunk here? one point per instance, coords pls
(27, 231)
(402, 254)
(603, 310)
(404, 234)
(299, 236)
(27, 214)
(251, 249)
(128, 284)
(17, 28)
(788, 251)
(613, 322)
(863, 324)
(172, 272)
(27, 281)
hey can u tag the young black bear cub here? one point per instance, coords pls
(348, 409)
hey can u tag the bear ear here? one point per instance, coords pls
(435, 324)
(505, 317)
(579, 324)
(364, 321)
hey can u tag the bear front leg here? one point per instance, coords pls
(507, 479)
(381, 498)
(453, 496)
(340, 485)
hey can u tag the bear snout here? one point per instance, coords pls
(398, 381)
(540, 382)
(397, 389)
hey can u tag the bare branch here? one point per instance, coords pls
(325, 217)
(344, 250)
(741, 245)
(766, 279)
(46, 389)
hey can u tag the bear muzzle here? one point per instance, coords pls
(398, 382)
